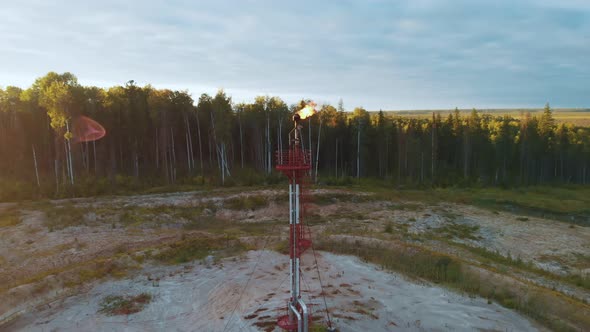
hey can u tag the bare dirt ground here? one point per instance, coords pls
(60, 249)
(197, 298)
(554, 246)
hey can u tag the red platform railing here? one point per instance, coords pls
(293, 159)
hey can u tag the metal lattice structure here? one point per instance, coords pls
(295, 163)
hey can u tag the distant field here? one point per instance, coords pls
(577, 116)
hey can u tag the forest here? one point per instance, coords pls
(160, 137)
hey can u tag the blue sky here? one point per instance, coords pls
(419, 54)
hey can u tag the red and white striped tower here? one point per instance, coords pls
(295, 163)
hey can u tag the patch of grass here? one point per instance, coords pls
(459, 231)
(569, 203)
(282, 247)
(208, 223)
(161, 214)
(490, 257)
(403, 228)
(65, 216)
(522, 219)
(132, 217)
(449, 215)
(136, 215)
(549, 308)
(59, 217)
(407, 206)
(255, 228)
(578, 280)
(226, 227)
(494, 256)
(315, 327)
(124, 305)
(333, 198)
(314, 219)
(9, 219)
(246, 202)
(76, 274)
(99, 269)
(389, 228)
(582, 260)
(409, 259)
(564, 203)
(192, 249)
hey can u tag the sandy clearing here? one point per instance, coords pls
(196, 298)
(553, 245)
(29, 248)
(534, 239)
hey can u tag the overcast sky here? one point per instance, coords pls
(418, 54)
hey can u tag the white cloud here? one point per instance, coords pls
(424, 54)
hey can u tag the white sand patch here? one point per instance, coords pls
(361, 297)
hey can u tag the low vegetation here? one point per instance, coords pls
(564, 203)
(76, 274)
(124, 305)
(198, 248)
(459, 231)
(9, 218)
(388, 228)
(200, 230)
(59, 217)
(157, 215)
(552, 309)
(246, 202)
(411, 260)
(494, 258)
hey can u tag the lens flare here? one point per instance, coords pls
(87, 130)
(307, 111)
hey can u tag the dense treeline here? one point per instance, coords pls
(159, 136)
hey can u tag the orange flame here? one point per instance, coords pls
(307, 111)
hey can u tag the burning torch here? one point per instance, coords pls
(302, 114)
(295, 164)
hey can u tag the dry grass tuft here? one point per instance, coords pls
(124, 305)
